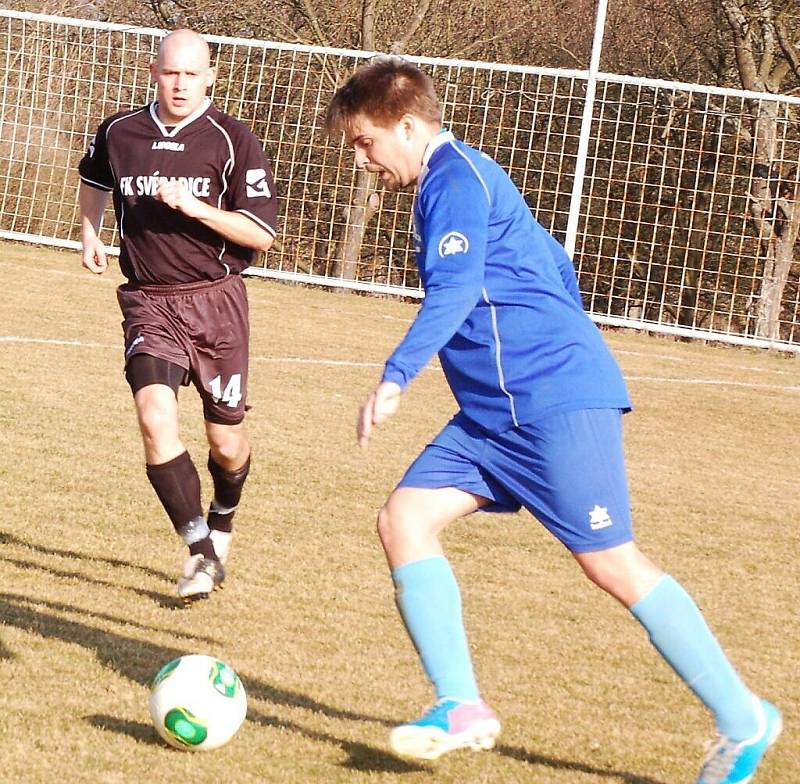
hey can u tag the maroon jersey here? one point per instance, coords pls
(219, 160)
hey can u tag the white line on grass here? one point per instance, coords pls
(118, 347)
(85, 275)
(53, 342)
(310, 361)
(348, 363)
(712, 382)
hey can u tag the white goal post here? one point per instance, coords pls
(685, 222)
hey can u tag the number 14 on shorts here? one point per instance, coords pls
(232, 393)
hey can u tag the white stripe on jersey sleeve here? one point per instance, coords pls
(260, 222)
(98, 185)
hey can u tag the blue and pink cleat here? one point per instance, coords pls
(735, 762)
(447, 726)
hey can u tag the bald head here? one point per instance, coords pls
(182, 72)
(184, 43)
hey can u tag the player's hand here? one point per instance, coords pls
(382, 402)
(93, 256)
(176, 195)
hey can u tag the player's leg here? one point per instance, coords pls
(219, 365)
(229, 465)
(158, 359)
(429, 601)
(747, 725)
(426, 590)
(589, 509)
(442, 485)
(170, 469)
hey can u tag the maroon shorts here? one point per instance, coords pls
(201, 327)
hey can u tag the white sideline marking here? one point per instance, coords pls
(52, 342)
(310, 361)
(649, 356)
(86, 275)
(712, 382)
(119, 347)
(348, 363)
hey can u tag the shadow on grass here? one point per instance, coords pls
(361, 756)
(139, 660)
(163, 600)
(523, 755)
(12, 539)
(144, 733)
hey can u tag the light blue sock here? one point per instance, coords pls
(429, 601)
(679, 632)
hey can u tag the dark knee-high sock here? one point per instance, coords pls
(227, 494)
(177, 485)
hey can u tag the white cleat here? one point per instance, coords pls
(222, 543)
(201, 576)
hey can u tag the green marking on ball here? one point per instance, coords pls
(166, 671)
(186, 728)
(224, 679)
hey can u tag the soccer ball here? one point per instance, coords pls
(197, 703)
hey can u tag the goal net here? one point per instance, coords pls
(686, 221)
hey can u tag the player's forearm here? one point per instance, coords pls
(92, 203)
(442, 312)
(235, 226)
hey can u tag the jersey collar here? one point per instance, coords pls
(443, 137)
(199, 112)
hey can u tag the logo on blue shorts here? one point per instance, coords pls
(599, 518)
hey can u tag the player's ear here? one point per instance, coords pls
(408, 124)
(211, 76)
(153, 71)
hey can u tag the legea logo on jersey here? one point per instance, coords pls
(599, 518)
(160, 144)
(453, 242)
(257, 184)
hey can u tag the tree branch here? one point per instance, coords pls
(368, 25)
(742, 44)
(481, 42)
(766, 18)
(788, 48)
(416, 20)
(305, 8)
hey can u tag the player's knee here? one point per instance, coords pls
(603, 574)
(157, 421)
(393, 522)
(229, 445)
(232, 453)
(401, 523)
(624, 574)
(384, 526)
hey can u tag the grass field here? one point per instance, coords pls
(88, 560)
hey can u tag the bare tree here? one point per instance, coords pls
(768, 60)
(749, 43)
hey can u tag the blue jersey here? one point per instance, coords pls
(502, 306)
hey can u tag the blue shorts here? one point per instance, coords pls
(567, 469)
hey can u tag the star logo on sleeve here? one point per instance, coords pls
(453, 242)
